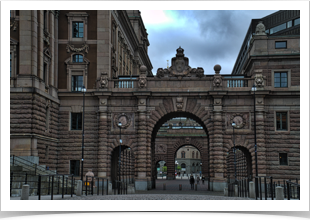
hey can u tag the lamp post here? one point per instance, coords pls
(82, 165)
(235, 162)
(255, 144)
(119, 155)
(176, 168)
(129, 164)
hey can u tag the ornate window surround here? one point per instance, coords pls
(77, 16)
(76, 69)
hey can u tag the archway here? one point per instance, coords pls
(122, 168)
(202, 144)
(243, 164)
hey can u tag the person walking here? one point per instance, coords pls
(198, 179)
(203, 179)
(192, 181)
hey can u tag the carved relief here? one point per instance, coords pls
(142, 81)
(179, 103)
(240, 119)
(160, 73)
(124, 118)
(259, 80)
(103, 81)
(161, 149)
(260, 29)
(179, 67)
(217, 80)
(199, 72)
(69, 48)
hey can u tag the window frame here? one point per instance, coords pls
(77, 81)
(288, 71)
(287, 121)
(287, 160)
(281, 79)
(277, 47)
(78, 167)
(78, 29)
(71, 118)
(77, 17)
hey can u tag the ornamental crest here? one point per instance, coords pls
(180, 67)
(239, 119)
(179, 103)
(259, 81)
(161, 149)
(69, 48)
(142, 81)
(123, 118)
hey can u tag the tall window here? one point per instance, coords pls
(44, 72)
(77, 29)
(283, 159)
(76, 121)
(197, 155)
(77, 83)
(77, 58)
(280, 79)
(193, 154)
(182, 154)
(281, 121)
(75, 167)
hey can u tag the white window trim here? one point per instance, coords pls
(77, 16)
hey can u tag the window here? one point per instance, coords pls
(182, 154)
(77, 29)
(76, 121)
(193, 154)
(183, 165)
(77, 83)
(280, 79)
(289, 24)
(44, 72)
(75, 167)
(77, 58)
(280, 44)
(296, 21)
(197, 155)
(47, 118)
(278, 28)
(283, 159)
(281, 122)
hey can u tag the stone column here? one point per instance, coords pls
(217, 158)
(103, 157)
(141, 156)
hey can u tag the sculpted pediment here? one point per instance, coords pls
(180, 67)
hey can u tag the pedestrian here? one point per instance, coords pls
(192, 181)
(203, 179)
(198, 179)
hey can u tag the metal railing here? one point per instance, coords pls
(29, 166)
(96, 183)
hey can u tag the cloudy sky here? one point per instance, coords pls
(208, 37)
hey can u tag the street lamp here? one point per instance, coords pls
(255, 144)
(119, 155)
(176, 167)
(82, 165)
(129, 164)
(234, 125)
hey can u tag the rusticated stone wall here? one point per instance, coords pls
(70, 142)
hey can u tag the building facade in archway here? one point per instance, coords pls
(69, 49)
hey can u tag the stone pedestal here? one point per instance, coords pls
(279, 193)
(79, 190)
(252, 190)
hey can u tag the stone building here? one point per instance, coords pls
(55, 53)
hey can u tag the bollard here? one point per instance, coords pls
(279, 193)
(226, 191)
(110, 189)
(164, 186)
(25, 192)
(79, 188)
(251, 189)
(236, 190)
(180, 186)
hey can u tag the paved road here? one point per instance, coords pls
(172, 192)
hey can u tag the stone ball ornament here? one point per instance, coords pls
(217, 68)
(143, 68)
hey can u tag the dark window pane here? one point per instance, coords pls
(277, 85)
(284, 127)
(277, 75)
(281, 44)
(77, 29)
(283, 159)
(283, 75)
(297, 21)
(76, 121)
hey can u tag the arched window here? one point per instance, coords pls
(193, 154)
(197, 155)
(183, 165)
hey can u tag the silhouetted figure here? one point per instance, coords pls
(192, 181)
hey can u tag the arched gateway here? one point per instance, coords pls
(179, 91)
